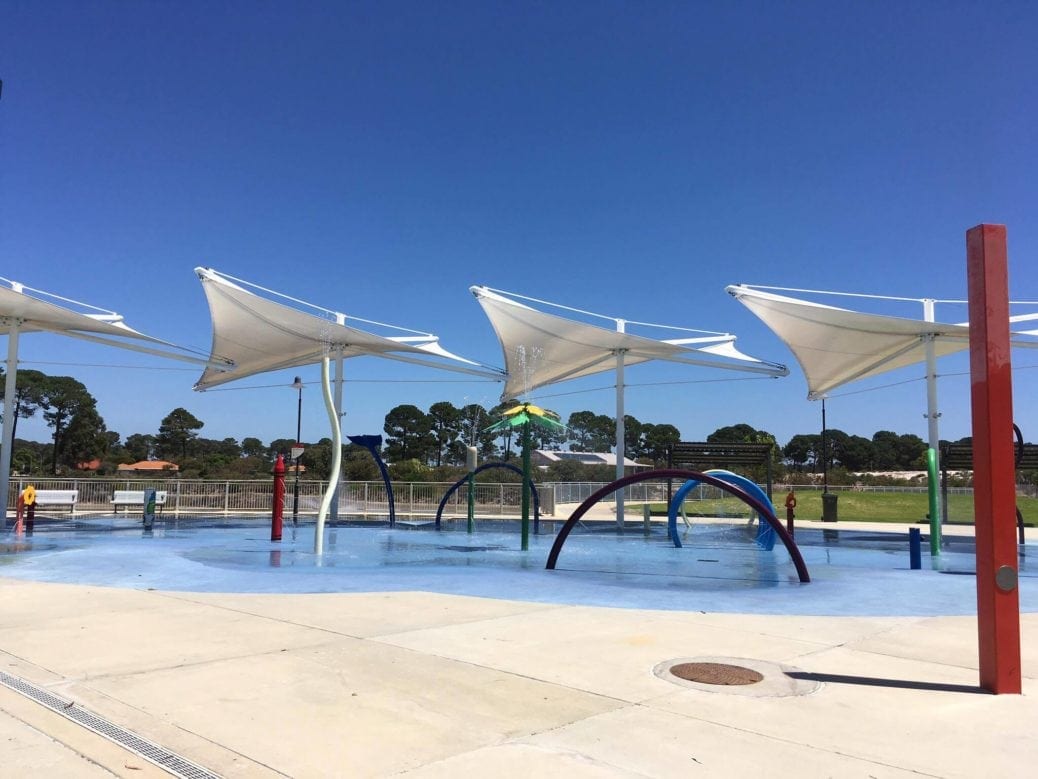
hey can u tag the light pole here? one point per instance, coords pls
(297, 385)
(825, 453)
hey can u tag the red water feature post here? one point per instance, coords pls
(994, 471)
(278, 508)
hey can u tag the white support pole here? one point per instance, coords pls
(620, 435)
(932, 414)
(331, 493)
(338, 410)
(14, 326)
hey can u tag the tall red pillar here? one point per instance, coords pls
(994, 472)
(278, 507)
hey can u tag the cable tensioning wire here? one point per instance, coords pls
(320, 308)
(653, 384)
(877, 297)
(603, 316)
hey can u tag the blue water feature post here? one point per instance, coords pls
(915, 548)
(149, 509)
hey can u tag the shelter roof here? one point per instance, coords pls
(835, 346)
(33, 310)
(254, 334)
(542, 348)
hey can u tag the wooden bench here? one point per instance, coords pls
(57, 498)
(128, 498)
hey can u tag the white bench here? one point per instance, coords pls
(58, 498)
(129, 498)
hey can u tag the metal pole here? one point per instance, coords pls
(933, 434)
(298, 384)
(825, 454)
(994, 481)
(621, 327)
(9, 412)
(338, 413)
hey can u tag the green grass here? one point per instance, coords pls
(855, 507)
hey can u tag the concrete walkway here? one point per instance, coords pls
(427, 685)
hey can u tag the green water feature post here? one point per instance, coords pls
(526, 486)
(935, 515)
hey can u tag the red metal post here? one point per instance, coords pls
(994, 473)
(279, 499)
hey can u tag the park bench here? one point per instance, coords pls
(135, 498)
(57, 498)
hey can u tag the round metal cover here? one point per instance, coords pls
(716, 673)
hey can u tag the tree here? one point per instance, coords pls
(253, 447)
(884, 450)
(633, 445)
(84, 439)
(590, 432)
(61, 399)
(177, 433)
(409, 434)
(734, 434)
(446, 426)
(802, 449)
(140, 446)
(911, 452)
(657, 440)
(858, 454)
(474, 421)
(29, 395)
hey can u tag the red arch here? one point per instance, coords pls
(677, 473)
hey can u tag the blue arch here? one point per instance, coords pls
(372, 443)
(765, 510)
(765, 535)
(483, 467)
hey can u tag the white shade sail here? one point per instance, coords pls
(252, 334)
(835, 346)
(25, 309)
(542, 349)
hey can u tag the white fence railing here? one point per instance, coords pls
(198, 497)
(190, 496)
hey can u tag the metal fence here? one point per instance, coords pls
(189, 496)
(198, 497)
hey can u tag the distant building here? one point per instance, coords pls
(542, 458)
(149, 466)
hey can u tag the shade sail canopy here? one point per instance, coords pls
(31, 311)
(542, 349)
(835, 346)
(27, 310)
(253, 334)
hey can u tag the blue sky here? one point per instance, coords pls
(626, 158)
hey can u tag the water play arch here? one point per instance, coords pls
(674, 473)
(485, 466)
(765, 535)
(373, 443)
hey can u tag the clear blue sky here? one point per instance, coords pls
(627, 158)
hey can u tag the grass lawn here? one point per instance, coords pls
(855, 506)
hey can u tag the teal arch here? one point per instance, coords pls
(765, 534)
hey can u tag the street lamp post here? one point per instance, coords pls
(297, 385)
(825, 453)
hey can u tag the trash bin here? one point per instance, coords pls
(829, 506)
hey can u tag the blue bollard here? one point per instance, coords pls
(915, 544)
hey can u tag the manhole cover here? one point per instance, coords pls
(716, 673)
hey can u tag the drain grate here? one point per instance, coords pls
(169, 761)
(716, 673)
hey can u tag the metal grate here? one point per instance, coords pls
(163, 758)
(716, 673)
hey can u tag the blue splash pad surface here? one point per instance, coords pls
(853, 573)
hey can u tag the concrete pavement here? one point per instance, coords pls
(427, 685)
